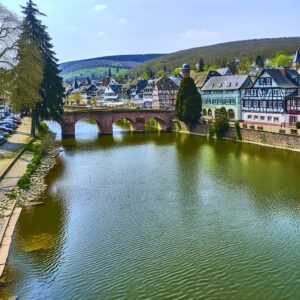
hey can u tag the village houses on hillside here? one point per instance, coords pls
(263, 96)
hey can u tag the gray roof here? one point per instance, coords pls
(224, 71)
(230, 82)
(279, 78)
(297, 57)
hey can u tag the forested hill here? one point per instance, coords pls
(122, 61)
(217, 54)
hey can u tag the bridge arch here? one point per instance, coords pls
(162, 124)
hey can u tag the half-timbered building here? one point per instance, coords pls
(292, 109)
(265, 101)
(164, 93)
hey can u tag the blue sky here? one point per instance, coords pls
(91, 28)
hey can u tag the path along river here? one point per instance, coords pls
(161, 216)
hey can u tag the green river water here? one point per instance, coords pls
(161, 216)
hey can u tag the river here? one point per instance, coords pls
(161, 216)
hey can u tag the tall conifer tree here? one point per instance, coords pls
(52, 91)
(189, 103)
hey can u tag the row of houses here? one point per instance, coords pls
(267, 96)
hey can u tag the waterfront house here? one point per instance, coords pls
(292, 103)
(164, 93)
(224, 91)
(264, 102)
(200, 78)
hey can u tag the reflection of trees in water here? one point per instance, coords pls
(269, 175)
(189, 173)
(39, 240)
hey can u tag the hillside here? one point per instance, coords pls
(216, 54)
(98, 66)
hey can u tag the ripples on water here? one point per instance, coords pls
(161, 216)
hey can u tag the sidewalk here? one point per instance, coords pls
(15, 143)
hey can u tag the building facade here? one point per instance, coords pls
(224, 91)
(292, 115)
(164, 93)
(264, 102)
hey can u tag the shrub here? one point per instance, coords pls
(221, 123)
(237, 128)
(298, 125)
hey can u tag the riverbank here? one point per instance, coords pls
(255, 135)
(12, 197)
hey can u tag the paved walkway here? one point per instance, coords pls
(10, 149)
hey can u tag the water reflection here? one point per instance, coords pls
(162, 216)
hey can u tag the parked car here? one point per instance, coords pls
(7, 129)
(6, 134)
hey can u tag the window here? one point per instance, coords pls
(262, 118)
(263, 104)
(280, 104)
(269, 119)
(204, 113)
(293, 120)
(255, 117)
(269, 81)
(262, 81)
(255, 104)
(249, 117)
(276, 119)
(253, 92)
(232, 101)
(270, 104)
(275, 104)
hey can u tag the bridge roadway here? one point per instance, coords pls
(106, 117)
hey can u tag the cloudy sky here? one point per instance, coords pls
(91, 28)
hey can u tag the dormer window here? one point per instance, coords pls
(269, 81)
(220, 84)
(212, 85)
(229, 84)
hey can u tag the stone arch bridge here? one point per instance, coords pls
(106, 118)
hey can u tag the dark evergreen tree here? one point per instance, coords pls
(165, 68)
(233, 67)
(52, 91)
(259, 61)
(201, 65)
(189, 103)
(109, 73)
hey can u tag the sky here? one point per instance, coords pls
(83, 29)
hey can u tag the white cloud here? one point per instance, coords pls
(99, 7)
(101, 34)
(193, 34)
(122, 20)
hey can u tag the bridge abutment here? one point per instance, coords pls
(68, 130)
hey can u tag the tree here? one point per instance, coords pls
(201, 65)
(283, 60)
(28, 76)
(52, 92)
(189, 103)
(233, 67)
(109, 73)
(76, 97)
(9, 31)
(259, 61)
(221, 122)
(176, 71)
(165, 68)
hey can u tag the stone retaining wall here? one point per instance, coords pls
(280, 140)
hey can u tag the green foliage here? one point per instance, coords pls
(93, 73)
(29, 75)
(176, 71)
(213, 55)
(189, 103)
(298, 125)
(160, 73)
(221, 122)
(12, 195)
(77, 97)
(237, 129)
(52, 90)
(39, 150)
(259, 61)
